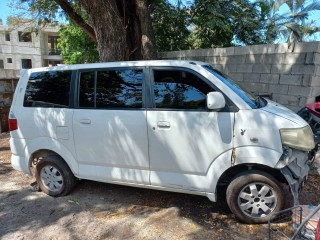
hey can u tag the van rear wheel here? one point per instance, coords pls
(254, 196)
(54, 176)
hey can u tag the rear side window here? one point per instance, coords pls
(48, 89)
(111, 89)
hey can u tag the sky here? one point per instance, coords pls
(5, 11)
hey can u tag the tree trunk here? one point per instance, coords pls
(123, 29)
(147, 35)
(108, 28)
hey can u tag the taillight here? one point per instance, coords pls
(13, 124)
(318, 231)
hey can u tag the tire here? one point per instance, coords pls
(254, 196)
(54, 176)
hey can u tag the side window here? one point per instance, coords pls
(111, 89)
(48, 89)
(176, 89)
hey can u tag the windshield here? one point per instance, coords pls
(252, 100)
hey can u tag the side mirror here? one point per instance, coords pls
(215, 101)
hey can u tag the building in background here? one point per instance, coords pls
(21, 48)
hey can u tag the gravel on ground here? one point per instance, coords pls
(105, 211)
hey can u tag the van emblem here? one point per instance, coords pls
(242, 132)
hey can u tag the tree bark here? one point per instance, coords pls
(123, 28)
(76, 18)
(108, 27)
(148, 49)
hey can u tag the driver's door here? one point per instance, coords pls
(184, 137)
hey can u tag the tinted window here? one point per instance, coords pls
(245, 95)
(179, 90)
(48, 89)
(111, 89)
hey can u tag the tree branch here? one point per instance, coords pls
(74, 16)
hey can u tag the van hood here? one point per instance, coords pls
(279, 110)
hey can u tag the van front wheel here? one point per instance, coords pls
(254, 196)
(54, 176)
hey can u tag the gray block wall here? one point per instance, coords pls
(8, 82)
(292, 76)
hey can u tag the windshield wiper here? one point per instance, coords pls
(257, 101)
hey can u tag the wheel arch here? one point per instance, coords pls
(241, 169)
(256, 158)
(42, 147)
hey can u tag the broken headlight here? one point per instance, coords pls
(298, 138)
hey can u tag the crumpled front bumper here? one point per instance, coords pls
(294, 165)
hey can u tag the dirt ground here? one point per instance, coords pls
(105, 211)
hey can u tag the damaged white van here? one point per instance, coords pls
(178, 126)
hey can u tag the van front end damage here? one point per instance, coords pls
(294, 165)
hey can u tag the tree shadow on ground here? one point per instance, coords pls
(24, 209)
(5, 168)
(4, 149)
(121, 212)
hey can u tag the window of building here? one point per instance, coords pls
(1, 64)
(25, 37)
(26, 63)
(48, 89)
(9, 60)
(7, 36)
(53, 45)
(111, 89)
(175, 89)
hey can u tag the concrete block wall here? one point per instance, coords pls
(8, 83)
(292, 76)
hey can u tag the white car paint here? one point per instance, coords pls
(116, 143)
(183, 151)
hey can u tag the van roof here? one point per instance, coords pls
(142, 63)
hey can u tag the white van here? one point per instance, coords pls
(178, 126)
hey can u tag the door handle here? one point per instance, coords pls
(85, 121)
(163, 124)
